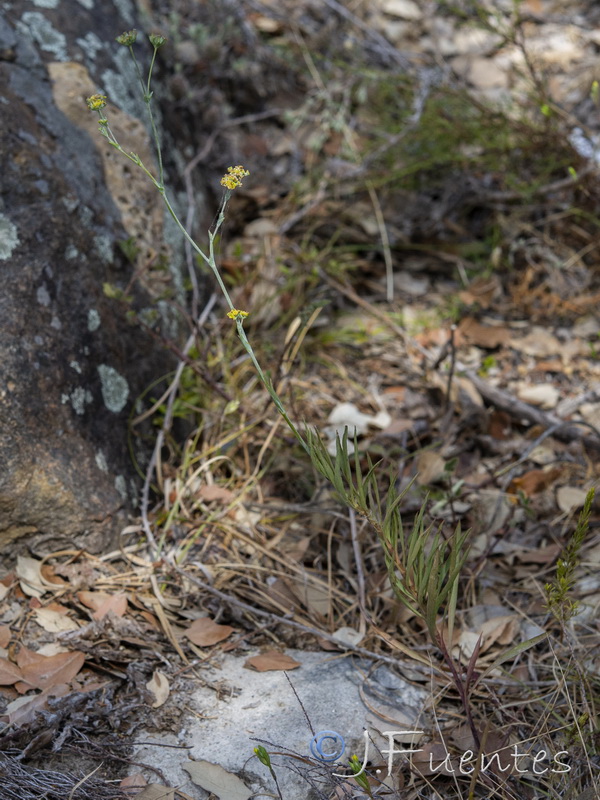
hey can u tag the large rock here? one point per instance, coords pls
(70, 365)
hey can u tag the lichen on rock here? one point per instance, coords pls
(115, 389)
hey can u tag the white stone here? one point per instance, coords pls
(405, 9)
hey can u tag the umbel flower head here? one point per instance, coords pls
(157, 40)
(96, 102)
(234, 176)
(237, 312)
(127, 38)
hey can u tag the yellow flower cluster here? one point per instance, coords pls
(96, 102)
(236, 312)
(234, 176)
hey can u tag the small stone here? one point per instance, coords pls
(484, 73)
(544, 395)
(405, 9)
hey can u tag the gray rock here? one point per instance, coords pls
(70, 365)
(236, 709)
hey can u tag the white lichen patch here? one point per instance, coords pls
(70, 202)
(42, 295)
(56, 323)
(125, 8)
(71, 252)
(104, 247)
(90, 44)
(9, 238)
(76, 366)
(89, 4)
(93, 320)
(42, 32)
(46, 3)
(78, 399)
(101, 462)
(115, 389)
(121, 487)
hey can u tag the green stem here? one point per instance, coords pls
(148, 99)
(208, 259)
(268, 385)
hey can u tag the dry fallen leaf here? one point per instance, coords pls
(348, 636)
(480, 291)
(23, 710)
(487, 336)
(213, 492)
(217, 780)
(92, 600)
(9, 673)
(534, 481)
(158, 686)
(570, 498)
(544, 395)
(117, 603)
(538, 342)
(273, 660)
(205, 632)
(135, 781)
(430, 467)
(5, 636)
(30, 577)
(43, 672)
(54, 621)
(316, 597)
(540, 555)
(154, 791)
(502, 629)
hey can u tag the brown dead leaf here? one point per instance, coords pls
(44, 672)
(486, 336)
(534, 481)
(430, 467)
(480, 292)
(5, 636)
(117, 603)
(272, 660)
(23, 710)
(224, 785)
(135, 781)
(54, 621)
(544, 395)
(92, 600)
(466, 645)
(398, 426)
(496, 755)
(282, 595)
(538, 342)
(30, 577)
(48, 574)
(214, 492)
(316, 597)
(155, 791)
(570, 498)
(431, 759)
(541, 555)
(500, 425)
(266, 24)
(433, 337)
(502, 630)
(9, 673)
(205, 632)
(158, 686)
